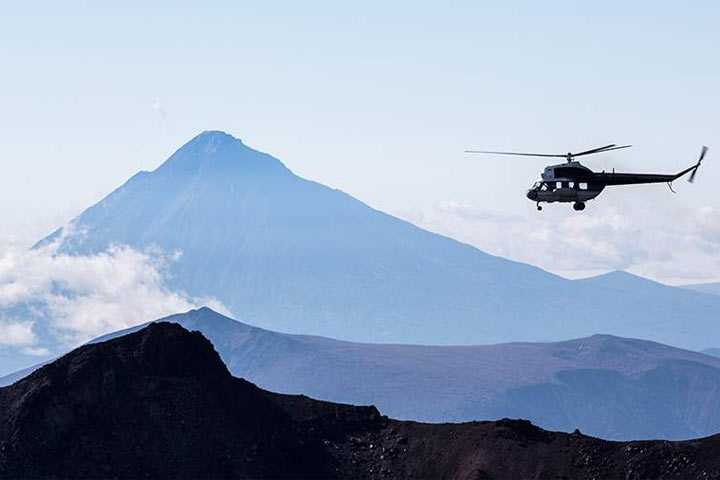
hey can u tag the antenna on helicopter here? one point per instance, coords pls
(568, 156)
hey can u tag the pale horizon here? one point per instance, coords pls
(384, 112)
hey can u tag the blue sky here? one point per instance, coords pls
(380, 99)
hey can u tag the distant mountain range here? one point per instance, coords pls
(295, 256)
(614, 388)
(710, 288)
(159, 403)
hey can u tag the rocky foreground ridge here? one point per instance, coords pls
(160, 403)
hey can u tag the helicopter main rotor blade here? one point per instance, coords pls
(598, 149)
(518, 153)
(604, 149)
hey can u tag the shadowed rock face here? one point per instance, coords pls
(609, 387)
(160, 403)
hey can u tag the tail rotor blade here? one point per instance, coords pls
(702, 155)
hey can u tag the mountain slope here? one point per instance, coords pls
(710, 288)
(611, 387)
(159, 403)
(132, 408)
(296, 256)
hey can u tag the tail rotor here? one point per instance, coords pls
(702, 155)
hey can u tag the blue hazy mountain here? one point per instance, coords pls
(710, 288)
(607, 386)
(293, 255)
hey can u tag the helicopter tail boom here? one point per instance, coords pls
(608, 179)
(639, 178)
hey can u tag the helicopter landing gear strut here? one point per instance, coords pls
(539, 207)
(579, 206)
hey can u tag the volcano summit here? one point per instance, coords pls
(295, 256)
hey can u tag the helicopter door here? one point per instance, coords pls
(565, 191)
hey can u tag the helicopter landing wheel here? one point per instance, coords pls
(539, 207)
(579, 206)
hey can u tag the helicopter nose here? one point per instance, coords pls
(532, 195)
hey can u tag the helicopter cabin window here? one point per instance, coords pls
(558, 185)
(571, 184)
(582, 186)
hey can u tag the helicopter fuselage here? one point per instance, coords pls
(566, 182)
(574, 182)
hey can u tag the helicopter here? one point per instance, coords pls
(573, 182)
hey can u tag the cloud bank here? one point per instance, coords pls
(675, 244)
(16, 334)
(75, 298)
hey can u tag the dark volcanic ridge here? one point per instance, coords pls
(160, 403)
(608, 387)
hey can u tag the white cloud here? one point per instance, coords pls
(36, 351)
(606, 241)
(16, 334)
(80, 297)
(704, 229)
(678, 243)
(472, 212)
